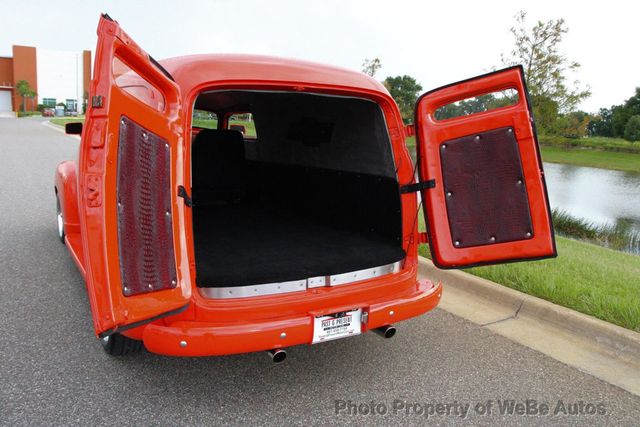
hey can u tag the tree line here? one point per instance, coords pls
(620, 121)
(554, 99)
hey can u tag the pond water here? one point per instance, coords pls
(601, 196)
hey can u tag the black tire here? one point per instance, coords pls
(60, 219)
(119, 345)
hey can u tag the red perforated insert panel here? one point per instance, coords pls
(145, 239)
(484, 188)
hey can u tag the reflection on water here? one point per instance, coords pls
(601, 196)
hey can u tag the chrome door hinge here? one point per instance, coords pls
(364, 318)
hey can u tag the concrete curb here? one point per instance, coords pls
(58, 129)
(599, 348)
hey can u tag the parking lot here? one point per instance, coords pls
(53, 370)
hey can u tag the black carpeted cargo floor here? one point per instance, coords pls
(249, 244)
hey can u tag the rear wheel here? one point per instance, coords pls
(60, 220)
(119, 345)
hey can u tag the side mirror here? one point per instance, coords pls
(74, 128)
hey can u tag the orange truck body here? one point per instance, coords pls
(177, 320)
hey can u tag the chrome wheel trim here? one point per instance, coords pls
(104, 341)
(60, 225)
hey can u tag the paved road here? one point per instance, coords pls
(53, 370)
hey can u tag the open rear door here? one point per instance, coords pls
(483, 187)
(132, 133)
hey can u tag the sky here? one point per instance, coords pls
(435, 42)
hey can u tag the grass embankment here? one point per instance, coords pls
(615, 160)
(61, 121)
(597, 281)
(602, 143)
(590, 279)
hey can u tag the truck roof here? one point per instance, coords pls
(192, 70)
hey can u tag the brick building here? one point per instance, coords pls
(55, 76)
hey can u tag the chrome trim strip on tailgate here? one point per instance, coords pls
(300, 285)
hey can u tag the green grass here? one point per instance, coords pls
(590, 279)
(616, 160)
(29, 114)
(596, 152)
(205, 123)
(597, 281)
(61, 121)
(593, 142)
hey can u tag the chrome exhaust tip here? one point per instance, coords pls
(386, 331)
(278, 355)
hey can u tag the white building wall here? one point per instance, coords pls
(59, 76)
(5, 101)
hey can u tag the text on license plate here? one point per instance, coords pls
(334, 326)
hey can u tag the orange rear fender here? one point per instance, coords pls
(66, 187)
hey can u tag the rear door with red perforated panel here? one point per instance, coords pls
(132, 134)
(483, 186)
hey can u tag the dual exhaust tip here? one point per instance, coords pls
(386, 331)
(279, 355)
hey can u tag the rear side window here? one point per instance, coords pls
(477, 104)
(243, 122)
(205, 119)
(136, 86)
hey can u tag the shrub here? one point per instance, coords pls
(619, 236)
(632, 129)
(27, 114)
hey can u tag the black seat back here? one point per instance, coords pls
(218, 167)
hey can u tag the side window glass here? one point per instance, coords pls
(204, 119)
(477, 104)
(243, 122)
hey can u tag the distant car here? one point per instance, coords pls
(48, 112)
(198, 242)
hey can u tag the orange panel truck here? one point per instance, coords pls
(197, 239)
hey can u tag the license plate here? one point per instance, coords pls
(339, 325)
